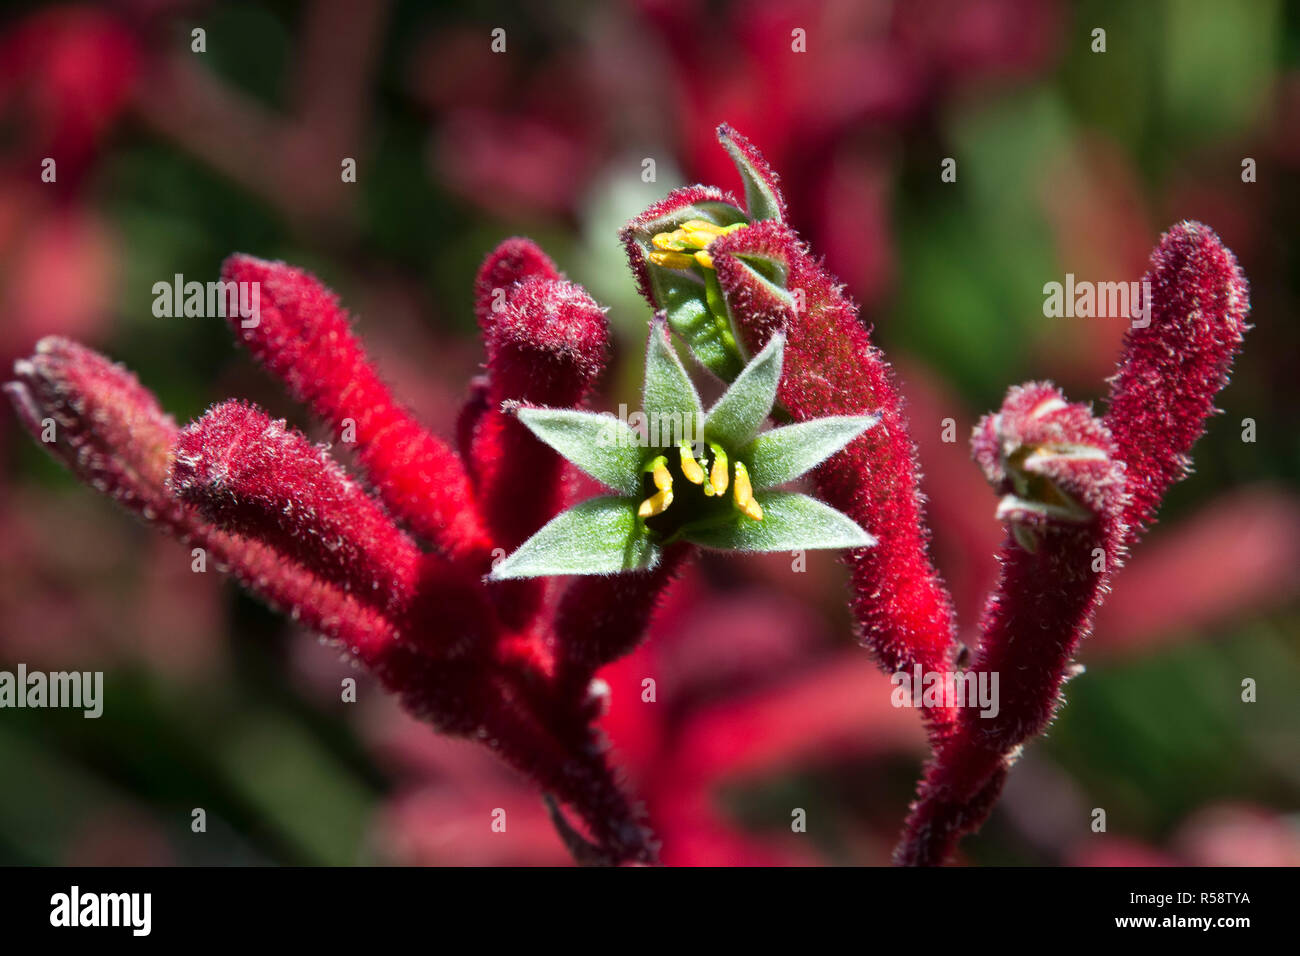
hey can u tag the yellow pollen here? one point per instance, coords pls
(690, 467)
(671, 260)
(743, 494)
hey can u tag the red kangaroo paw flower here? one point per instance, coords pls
(512, 261)
(254, 477)
(111, 432)
(831, 368)
(1062, 499)
(304, 337)
(1172, 368)
(510, 663)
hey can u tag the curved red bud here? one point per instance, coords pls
(771, 283)
(1172, 368)
(112, 433)
(255, 477)
(1063, 502)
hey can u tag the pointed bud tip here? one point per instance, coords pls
(763, 197)
(24, 405)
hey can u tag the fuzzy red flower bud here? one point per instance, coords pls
(512, 261)
(304, 337)
(1172, 368)
(111, 432)
(771, 284)
(106, 426)
(545, 347)
(255, 477)
(1062, 500)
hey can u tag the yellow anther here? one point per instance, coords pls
(697, 238)
(673, 250)
(670, 241)
(743, 494)
(658, 469)
(656, 504)
(690, 467)
(718, 473)
(671, 260)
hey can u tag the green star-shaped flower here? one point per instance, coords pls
(709, 479)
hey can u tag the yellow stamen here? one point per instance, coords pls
(673, 249)
(656, 504)
(663, 478)
(671, 260)
(690, 467)
(743, 494)
(698, 238)
(718, 473)
(670, 241)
